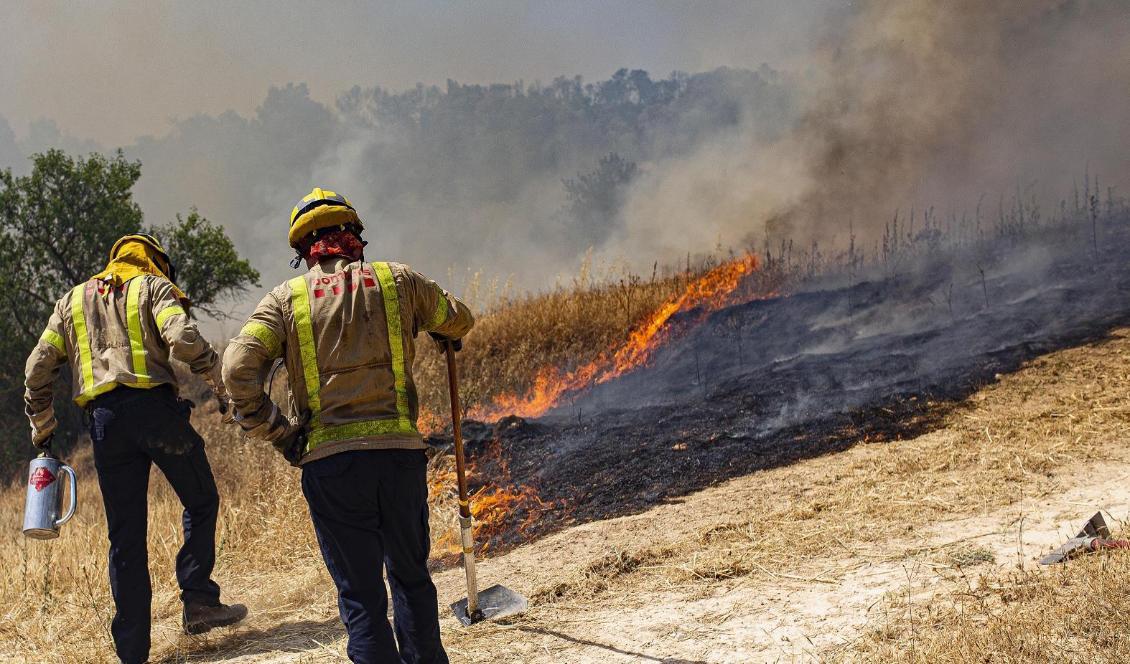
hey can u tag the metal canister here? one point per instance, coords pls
(45, 497)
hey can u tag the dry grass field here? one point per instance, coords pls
(918, 549)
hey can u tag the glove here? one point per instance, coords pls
(216, 383)
(227, 410)
(441, 342)
(292, 443)
(43, 444)
(43, 430)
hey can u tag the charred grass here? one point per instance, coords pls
(811, 524)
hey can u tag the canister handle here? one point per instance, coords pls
(74, 494)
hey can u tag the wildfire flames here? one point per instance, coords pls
(502, 509)
(499, 510)
(714, 290)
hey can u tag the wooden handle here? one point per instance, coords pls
(457, 429)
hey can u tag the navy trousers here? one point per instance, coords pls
(370, 509)
(132, 429)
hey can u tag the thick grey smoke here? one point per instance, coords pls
(463, 178)
(890, 105)
(921, 103)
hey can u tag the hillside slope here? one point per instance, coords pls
(827, 558)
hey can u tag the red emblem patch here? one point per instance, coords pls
(41, 478)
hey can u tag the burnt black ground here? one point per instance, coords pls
(875, 357)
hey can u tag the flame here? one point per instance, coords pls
(497, 511)
(428, 422)
(715, 290)
(501, 510)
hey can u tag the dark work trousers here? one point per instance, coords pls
(131, 429)
(371, 507)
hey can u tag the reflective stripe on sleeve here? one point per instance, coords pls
(395, 341)
(136, 341)
(265, 335)
(440, 315)
(52, 338)
(300, 304)
(167, 313)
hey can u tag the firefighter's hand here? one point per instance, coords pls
(41, 436)
(441, 342)
(292, 443)
(227, 410)
(43, 444)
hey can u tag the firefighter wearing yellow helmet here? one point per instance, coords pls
(118, 332)
(346, 331)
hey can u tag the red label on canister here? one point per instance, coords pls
(41, 478)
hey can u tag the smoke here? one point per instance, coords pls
(881, 106)
(10, 154)
(914, 103)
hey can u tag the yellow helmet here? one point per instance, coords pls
(319, 209)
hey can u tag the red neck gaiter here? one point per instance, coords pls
(336, 243)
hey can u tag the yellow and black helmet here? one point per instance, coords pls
(319, 209)
(164, 263)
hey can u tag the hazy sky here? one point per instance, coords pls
(111, 71)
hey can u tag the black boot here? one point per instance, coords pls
(199, 618)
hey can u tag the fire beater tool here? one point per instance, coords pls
(1094, 536)
(497, 601)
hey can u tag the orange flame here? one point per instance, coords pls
(712, 291)
(500, 509)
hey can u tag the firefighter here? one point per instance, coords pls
(117, 331)
(346, 331)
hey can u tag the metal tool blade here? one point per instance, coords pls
(494, 602)
(1096, 527)
(1073, 546)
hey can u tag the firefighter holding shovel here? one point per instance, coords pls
(117, 331)
(346, 331)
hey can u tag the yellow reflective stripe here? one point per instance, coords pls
(300, 303)
(52, 337)
(361, 429)
(395, 341)
(133, 323)
(82, 340)
(167, 313)
(263, 334)
(440, 314)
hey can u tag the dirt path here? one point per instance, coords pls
(624, 614)
(774, 618)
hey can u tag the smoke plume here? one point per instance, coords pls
(915, 103)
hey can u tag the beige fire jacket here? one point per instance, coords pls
(113, 337)
(346, 331)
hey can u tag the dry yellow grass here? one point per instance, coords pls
(1076, 613)
(800, 524)
(55, 603)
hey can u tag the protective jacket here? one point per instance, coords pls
(346, 331)
(113, 336)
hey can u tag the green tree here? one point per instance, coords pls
(57, 225)
(208, 267)
(595, 198)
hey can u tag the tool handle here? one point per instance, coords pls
(457, 429)
(466, 533)
(73, 481)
